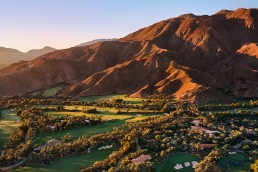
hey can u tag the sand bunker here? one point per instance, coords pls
(194, 163)
(187, 164)
(178, 166)
(231, 153)
(106, 147)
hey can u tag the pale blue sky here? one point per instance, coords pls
(27, 24)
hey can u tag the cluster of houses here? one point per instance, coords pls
(197, 127)
(141, 159)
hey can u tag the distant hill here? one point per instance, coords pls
(9, 56)
(95, 41)
(192, 58)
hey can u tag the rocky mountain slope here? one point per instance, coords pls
(193, 58)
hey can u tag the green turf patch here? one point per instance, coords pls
(107, 114)
(70, 163)
(77, 132)
(235, 162)
(8, 124)
(168, 164)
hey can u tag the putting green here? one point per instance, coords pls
(236, 162)
(70, 163)
(8, 124)
(177, 158)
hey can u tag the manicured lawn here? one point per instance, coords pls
(106, 113)
(236, 162)
(69, 164)
(112, 96)
(104, 117)
(109, 115)
(139, 118)
(103, 110)
(77, 132)
(237, 157)
(8, 124)
(180, 158)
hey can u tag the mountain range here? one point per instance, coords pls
(192, 58)
(95, 41)
(9, 55)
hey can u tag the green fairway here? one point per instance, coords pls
(112, 96)
(102, 110)
(69, 164)
(8, 124)
(236, 162)
(104, 117)
(77, 132)
(107, 115)
(139, 118)
(105, 110)
(168, 164)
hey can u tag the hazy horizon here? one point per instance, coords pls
(60, 24)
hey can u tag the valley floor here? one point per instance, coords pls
(177, 137)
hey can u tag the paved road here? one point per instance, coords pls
(120, 161)
(13, 166)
